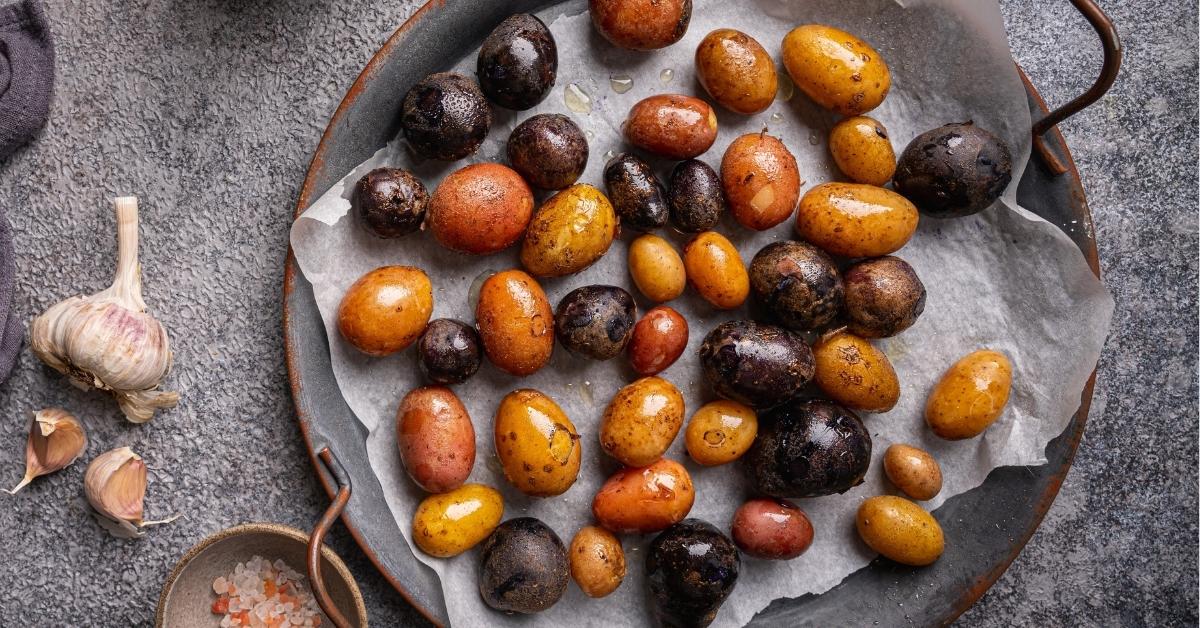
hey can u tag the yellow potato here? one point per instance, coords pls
(913, 471)
(515, 322)
(656, 268)
(720, 432)
(736, 71)
(862, 151)
(569, 232)
(641, 421)
(855, 220)
(386, 309)
(900, 530)
(537, 444)
(597, 561)
(970, 396)
(716, 271)
(836, 69)
(854, 373)
(451, 523)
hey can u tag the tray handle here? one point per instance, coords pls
(317, 540)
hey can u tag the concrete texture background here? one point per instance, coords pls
(210, 110)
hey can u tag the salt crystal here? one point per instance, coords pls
(226, 621)
(279, 564)
(220, 585)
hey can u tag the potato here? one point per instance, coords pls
(641, 24)
(449, 524)
(569, 232)
(597, 561)
(595, 321)
(390, 202)
(641, 421)
(913, 471)
(798, 283)
(517, 62)
(836, 69)
(515, 322)
(715, 270)
(862, 151)
(436, 439)
(854, 373)
(855, 220)
(445, 116)
(808, 448)
(772, 529)
(449, 351)
(537, 444)
(970, 396)
(635, 192)
(522, 567)
(658, 340)
(954, 170)
(900, 530)
(549, 150)
(640, 500)
(656, 268)
(761, 180)
(720, 432)
(386, 309)
(736, 71)
(672, 125)
(695, 197)
(480, 209)
(756, 364)
(691, 568)
(884, 296)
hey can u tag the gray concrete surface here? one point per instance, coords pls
(210, 109)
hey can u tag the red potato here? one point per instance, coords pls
(658, 340)
(761, 181)
(672, 125)
(640, 500)
(773, 529)
(641, 24)
(436, 439)
(480, 209)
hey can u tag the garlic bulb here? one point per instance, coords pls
(107, 340)
(115, 484)
(55, 440)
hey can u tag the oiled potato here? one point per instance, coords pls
(436, 438)
(635, 192)
(900, 530)
(736, 71)
(480, 209)
(772, 529)
(536, 443)
(970, 396)
(913, 471)
(672, 125)
(855, 220)
(640, 500)
(451, 523)
(884, 296)
(720, 432)
(569, 232)
(641, 24)
(386, 309)
(854, 373)
(656, 268)
(641, 421)
(716, 271)
(836, 69)
(658, 340)
(515, 322)
(798, 283)
(761, 180)
(597, 561)
(522, 567)
(862, 151)
(595, 321)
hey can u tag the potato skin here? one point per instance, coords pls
(518, 62)
(672, 125)
(954, 170)
(641, 24)
(808, 449)
(884, 296)
(913, 471)
(720, 432)
(436, 439)
(854, 373)
(537, 444)
(736, 71)
(755, 364)
(386, 309)
(862, 151)
(715, 269)
(970, 396)
(900, 530)
(597, 561)
(445, 116)
(641, 421)
(555, 245)
(798, 283)
(772, 529)
(836, 69)
(761, 180)
(656, 268)
(515, 322)
(635, 192)
(855, 220)
(690, 569)
(695, 197)
(658, 341)
(390, 202)
(449, 524)
(640, 500)
(549, 150)
(595, 321)
(449, 352)
(522, 567)
(480, 209)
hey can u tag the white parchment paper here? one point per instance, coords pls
(1002, 279)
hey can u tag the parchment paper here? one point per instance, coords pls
(1002, 279)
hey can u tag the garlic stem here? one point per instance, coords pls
(127, 281)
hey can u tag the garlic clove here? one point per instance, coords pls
(56, 439)
(115, 485)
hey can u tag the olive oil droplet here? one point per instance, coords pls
(666, 75)
(621, 83)
(786, 88)
(813, 138)
(576, 99)
(777, 117)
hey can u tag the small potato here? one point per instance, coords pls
(641, 24)
(761, 180)
(390, 202)
(884, 296)
(436, 439)
(695, 197)
(658, 340)
(595, 321)
(537, 444)
(900, 530)
(445, 116)
(862, 151)
(836, 69)
(720, 432)
(569, 232)
(641, 500)
(954, 170)
(517, 62)
(970, 396)
(855, 220)
(641, 421)
(515, 322)
(736, 71)
(716, 271)
(913, 471)
(597, 561)
(635, 192)
(656, 268)
(386, 309)
(451, 523)
(449, 351)
(522, 567)
(798, 283)
(480, 209)
(756, 364)
(549, 150)
(672, 125)
(854, 373)
(772, 529)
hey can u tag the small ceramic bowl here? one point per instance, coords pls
(187, 597)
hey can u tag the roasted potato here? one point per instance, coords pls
(773, 529)
(862, 151)
(808, 449)
(755, 364)
(449, 524)
(736, 71)
(672, 125)
(641, 24)
(716, 271)
(695, 197)
(884, 297)
(386, 309)
(522, 567)
(518, 62)
(761, 180)
(537, 444)
(836, 69)
(549, 150)
(970, 396)
(798, 283)
(390, 202)
(597, 561)
(691, 568)
(656, 268)
(449, 352)
(639, 500)
(480, 209)
(595, 321)
(445, 116)
(658, 340)
(852, 372)
(720, 432)
(515, 322)
(569, 232)
(855, 220)
(913, 471)
(954, 170)
(900, 530)
(641, 421)
(436, 439)
(635, 192)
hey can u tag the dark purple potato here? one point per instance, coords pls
(595, 321)
(954, 170)
(390, 202)
(548, 150)
(759, 365)
(695, 197)
(691, 568)
(445, 116)
(522, 567)
(884, 297)
(518, 62)
(808, 449)
(449, 351)
(798, 283)
(636, 194)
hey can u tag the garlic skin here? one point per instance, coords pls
(56, 439)
(108, 341)
(115, 485)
